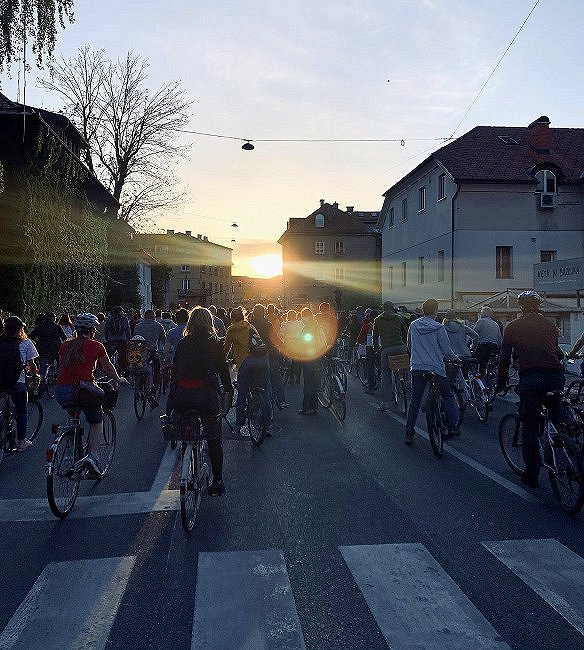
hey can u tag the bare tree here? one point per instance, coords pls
(131, 132)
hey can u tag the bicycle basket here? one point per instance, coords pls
(182, 428)
(398, 361)
(110, 398)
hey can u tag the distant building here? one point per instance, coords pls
(198, 270)
(332, 255)
(250, 291)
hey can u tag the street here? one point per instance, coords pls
(330, 536)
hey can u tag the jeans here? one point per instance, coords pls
(533, 385)
(19, 396)
(276, 378)
(254, 371)
(64, 395)
(386, 373)
(418, 385)
(370, 367)
(483, 353)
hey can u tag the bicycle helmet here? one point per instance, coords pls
(137, 337)
(529, 300)
(84, 322)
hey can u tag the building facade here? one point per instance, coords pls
(332, 255)
(198, 270)
(472, 219)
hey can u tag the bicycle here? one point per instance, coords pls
(8, 423)
(560, 454)
(489, 379)
(361, 370)
(65, 469)
(473, 390)
(436, 418)
(253, 413)
(196, 474)
(333, 387)
(399, 365)
(165, 378)
(48, 378)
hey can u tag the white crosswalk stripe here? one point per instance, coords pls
(415, 602)
(244, 600)
(553, 571)
(71, 605)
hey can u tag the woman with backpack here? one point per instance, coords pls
(17, 356)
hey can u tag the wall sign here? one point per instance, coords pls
(561, 275)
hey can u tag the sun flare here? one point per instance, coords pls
(266, 266)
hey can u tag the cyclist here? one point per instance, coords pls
(459, 335)
(78, 358)
(389, 337)
(198, 365)
(534, 338)
(48, 336)
(314, 347)
(489, 340)
(428, 345)
(290, 333)
(100, 330)
(252, 367)
(17, 355)
(175, 335)
(574, 351)
(67, 325)
(218, 324)
(155, 337)
(116, 334)
(327, 320)
(365, 338)
(166, 321)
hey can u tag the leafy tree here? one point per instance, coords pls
(35, 21)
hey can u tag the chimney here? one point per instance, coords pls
(350, 208)
(336, 205)
(198, 236)
(205, 238)
(169, 232)
(538, 135)
(321, 202)
(188, 233)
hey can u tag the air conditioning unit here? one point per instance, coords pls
(548, 200)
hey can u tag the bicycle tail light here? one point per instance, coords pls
(49, 455)
(54, 428)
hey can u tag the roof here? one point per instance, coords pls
(336, 221)
(481, 156)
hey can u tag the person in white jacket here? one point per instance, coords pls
(428, 345)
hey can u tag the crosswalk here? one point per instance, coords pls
(245, 599)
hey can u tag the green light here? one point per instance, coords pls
(307, 337)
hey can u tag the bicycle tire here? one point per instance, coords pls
(361, 371)
(107, 446)
(255, 421)
(480, 401)
(49, 381)
(139, 397)
(434, 425)
(323, 394)
(574, 391)
(339, 398)
(569, 493)
(511, 442)
(63, 481)
(190, 493)
(34, 414)
(3, 437)
(401, 397)
(458, 405)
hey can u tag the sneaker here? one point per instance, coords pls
(216, 489)
(90, 462)
(530, 481)
(409, 437)
(244, 431)
(384, 406)
(23, 445)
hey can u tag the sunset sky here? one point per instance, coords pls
(332, 69)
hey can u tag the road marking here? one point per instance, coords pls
(71, 605)
(471, 462)
(553, 571)
(415, 602)
(244, 600)
(164, 474)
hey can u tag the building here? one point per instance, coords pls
(197, 271)
(332, 255)
(250, 291)
(469, 222)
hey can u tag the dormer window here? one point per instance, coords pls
(546, 181)
(319, 221)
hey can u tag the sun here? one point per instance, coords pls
(266, 266)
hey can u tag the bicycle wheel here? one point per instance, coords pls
(361, 370)
(433, 420)
(511, 442)
(190, 486)
(324, 392)
(62, 479)
(339, 398)
(567, 477)
(574, 391)
(255, 421)
(165, 380)
(458, 405)
(107, 446)
(400, 393)
(34, 414)
(139, 396)
(49, 381)
(480, 400)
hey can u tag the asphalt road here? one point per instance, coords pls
(329, 536)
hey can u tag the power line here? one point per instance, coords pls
(494, 70)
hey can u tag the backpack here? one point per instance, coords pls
(117, 326)
(257, 348)
(10, 362)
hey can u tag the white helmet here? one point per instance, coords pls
(137, 337)
(529, 300)
(84, 322)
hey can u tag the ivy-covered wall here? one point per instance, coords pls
(54, 246)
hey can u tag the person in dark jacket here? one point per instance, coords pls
(116, 334)
(198, 366)
(48, 336)
(389, 337)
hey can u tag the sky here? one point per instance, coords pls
(331, 69)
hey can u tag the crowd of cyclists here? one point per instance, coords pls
(198, 347)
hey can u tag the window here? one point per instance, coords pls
(420, 270)
(421, 199)
(185, 268)
(391, 219)
(319, 221)
(340, 247)
(441, 187)
(319, 275)
(546, 181)
(440, 266)
(404, 210)
(504, 261)
(390, 277)
(547, 256)
(507, 139)
(339, 273)
(404, 274)
(185, 284)
(319, 247)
